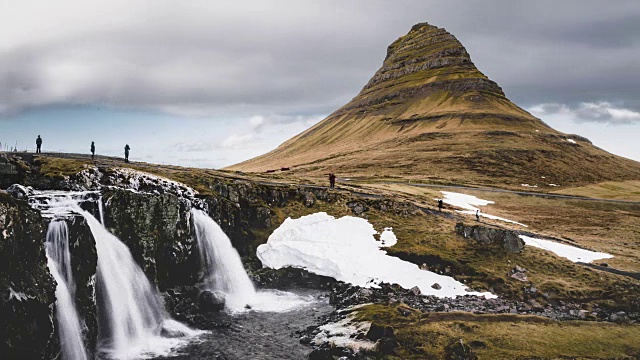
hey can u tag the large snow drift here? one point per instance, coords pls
(346, 250)
(469, 203)
(566, 251)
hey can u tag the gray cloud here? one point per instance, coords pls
(600, 112)
(301, 57)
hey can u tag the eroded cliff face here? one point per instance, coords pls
(27, 290)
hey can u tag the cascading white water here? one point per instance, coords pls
(132, 314)
(101, 210)
(223, 271)
(132, 320)
(59, 262)
(221, 263)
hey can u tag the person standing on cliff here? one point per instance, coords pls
(440, 203)
(93, 150)
(126, 153)
(38, 145)
(478, 215)
(332, 181)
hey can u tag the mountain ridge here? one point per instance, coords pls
(429, 114)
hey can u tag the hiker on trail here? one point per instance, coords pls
(332, 180)
(440, 203)
(478, 215)
(126, 153)
(38, 145)
(93, 150)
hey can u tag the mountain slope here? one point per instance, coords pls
(429, 114)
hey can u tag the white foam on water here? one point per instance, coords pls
(345, 249)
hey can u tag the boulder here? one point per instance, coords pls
(436, 286)
(491, 236)
(20, 192)
(458, 350)
(211, 301)
(377, 332)
(387, 346)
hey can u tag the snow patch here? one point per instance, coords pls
(388, 238)
(346, 250)
(572, 141)
(145, 182)
(342, 334)
(531, 186)
(554, 185)
(20, 296)
(469, 203)
(566, 251)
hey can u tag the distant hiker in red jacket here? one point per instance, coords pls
(332, 180)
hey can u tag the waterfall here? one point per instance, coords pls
(221, 264)
(132, 317)
(101, 210)
(59, 262)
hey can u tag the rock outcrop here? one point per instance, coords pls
(486, 235)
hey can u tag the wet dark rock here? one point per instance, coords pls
(211, 301)
(458, 350)
(20, 192)
(27, 290)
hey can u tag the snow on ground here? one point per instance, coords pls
(388, 238)
(566, 251)
(469, 203)
(554, 185)
(572, 141)
(527, 185)
(346, 250)
(342, 334)
(145, 182)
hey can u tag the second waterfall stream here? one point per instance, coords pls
(223, 272)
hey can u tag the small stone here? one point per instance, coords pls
(436, 286)
(416, 291)
(520, 276)
(519, 269)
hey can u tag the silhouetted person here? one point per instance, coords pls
(332, 180)
(440, 203)
(126, 153)
(93, 150)
(38, 145)
(477, 215)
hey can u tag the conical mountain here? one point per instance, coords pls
(429, 114)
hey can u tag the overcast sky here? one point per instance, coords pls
(208, 84)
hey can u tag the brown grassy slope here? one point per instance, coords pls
(425, 335)
(430, 114)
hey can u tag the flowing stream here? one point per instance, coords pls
(59, 262)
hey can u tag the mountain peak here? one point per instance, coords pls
(429, 113)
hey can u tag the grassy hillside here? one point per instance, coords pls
(429, 114)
